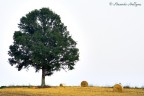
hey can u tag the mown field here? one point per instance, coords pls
(69, 91)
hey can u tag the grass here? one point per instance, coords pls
(68, 91)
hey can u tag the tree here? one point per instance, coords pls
(44, 43)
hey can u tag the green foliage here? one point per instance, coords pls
(2, 87)
(43, 42)
(127, 86)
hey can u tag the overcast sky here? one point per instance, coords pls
(110, 39)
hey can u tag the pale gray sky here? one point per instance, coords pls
(110, 39)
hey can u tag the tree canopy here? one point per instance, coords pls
(43, 42)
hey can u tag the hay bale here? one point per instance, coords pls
(84, 84)
(117, 88)
(61, 85)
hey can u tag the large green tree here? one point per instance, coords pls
(44, 43)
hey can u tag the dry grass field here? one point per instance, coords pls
(69, 91)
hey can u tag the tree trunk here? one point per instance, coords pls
(43, 77)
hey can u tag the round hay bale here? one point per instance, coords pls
(61, 85)
(117, 88)
(84, 84)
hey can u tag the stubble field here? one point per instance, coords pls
(69, 91)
